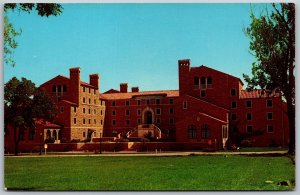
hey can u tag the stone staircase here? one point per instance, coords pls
(141, 130)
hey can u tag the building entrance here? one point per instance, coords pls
(148, 118)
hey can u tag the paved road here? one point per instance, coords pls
(129, 153)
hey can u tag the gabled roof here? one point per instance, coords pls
(203, 66)
(129, 95)
(112, 91)
(67, 79)
(46, 123)
(256, 93)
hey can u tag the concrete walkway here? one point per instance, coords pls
(133, 153)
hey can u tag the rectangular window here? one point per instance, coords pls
(184, 105)
(83, 121)
(233, 116)
(89, 100)
(83, 110)
(270, 129)
(89, 111)
(74, 120)
(95, 111)
(83, 100)
(113, 122)
(62, 109)
(127, 122)
(248, 104)
(269, 103)
(101, 112)
(138, 112)
(203, 93)
(158, 120)
(138, 102)
(148, 102)
(171, 111)
(101, 122)
(95, 121)
(83, 134)
(270, 115)
(233, 92)
(127, 103)
(233, 104)
(158, 111)
(192, 133)
(75, 109)
(249, 129)
(171, 101)
(94, 101)
(249, 116)
(127, 112)
(113, 103)
(89, 121)
(113, 112)
(157, 101)
(139, 121)
(171, 120)
(83, 89)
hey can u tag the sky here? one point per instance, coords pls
(138, 44)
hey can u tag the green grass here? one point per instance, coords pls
(147, 173)
(262, 149)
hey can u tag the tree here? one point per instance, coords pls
(10, 33)
(22, 103)
(272, 41)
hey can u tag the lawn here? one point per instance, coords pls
(148, 173)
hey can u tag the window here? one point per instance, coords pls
(83, 110)
(171, 110)
(249, 116)
(83, 134)
(233, 104)
(95, 91)
(74, 120)
(94, 111)
(101, 112)
(89, 100)
(127, 103)
(158, 120)
(127, 112)
(113, 122)
(139, 121)
(171, 120)
(59, 88)
(64, 88)
(203, 93)
(205, 131)
(89, 111)
(248, 104)
(196, 81)
(83, 121)
(269, 103)
(113, 112)
(75, 109)
(192, 132)
(249, 129)
(148, 102)
(62, 109)
(94, 101)
(83, 89)
(127, 122)
(89, 121)
(203, 83)
(270, 129)
(209, 82)
(157, 101)
(113, 103)
(54, 88)
(233, 116)
(184, 105)
(270, 115)
(138, 102)
(83, 100)
(138, 112)
(95, 134)
(157, 111)
(171, 101)
(101, 122)
(233, 92)
(89, 90)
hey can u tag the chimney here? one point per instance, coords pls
(123, 87)
(94, 80)
(135, 89)
(75, 84)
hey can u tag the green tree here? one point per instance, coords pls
(22, 103)
(272, 42)
(10, 33)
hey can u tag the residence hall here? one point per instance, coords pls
(209, 107)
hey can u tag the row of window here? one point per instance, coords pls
(139, 121)
(205, 131)
(248, 104)
(59, 88)
(89, 102)
(249, 116)
(87, 122)
(147, 102)
(90, 90)
(249, 129)
(84, 110)
(203, 82)
(157, 112)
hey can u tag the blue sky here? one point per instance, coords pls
(138, 44)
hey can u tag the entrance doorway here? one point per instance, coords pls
(148, 118)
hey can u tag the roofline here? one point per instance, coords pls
(207, 102)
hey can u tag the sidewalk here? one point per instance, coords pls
(152, 153)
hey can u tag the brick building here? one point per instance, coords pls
(209, 107)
